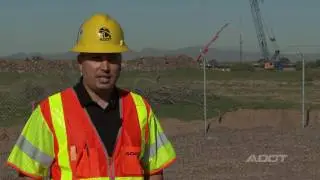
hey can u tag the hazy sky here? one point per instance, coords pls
(51, 26)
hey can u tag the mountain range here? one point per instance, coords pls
(224, 55)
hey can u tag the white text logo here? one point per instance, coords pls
(267, 158)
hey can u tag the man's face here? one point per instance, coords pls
(100, 71)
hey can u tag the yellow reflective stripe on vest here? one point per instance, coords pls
(34, 152)
(36, 128)
(117, 178)
(142, 116)
(161, 141)
(58, 121)
(28, 164)
(160, 150)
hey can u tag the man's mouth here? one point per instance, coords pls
(104, 79)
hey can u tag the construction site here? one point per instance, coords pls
(241, 120)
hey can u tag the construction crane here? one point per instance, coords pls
(261, 36)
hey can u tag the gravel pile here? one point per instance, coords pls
(223, 154)
(146, 64)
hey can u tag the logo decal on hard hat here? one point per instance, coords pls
(104, 34)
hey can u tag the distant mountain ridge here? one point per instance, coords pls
(225, 55)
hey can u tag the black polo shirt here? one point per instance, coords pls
(107, 121)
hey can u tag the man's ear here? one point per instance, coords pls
(121, 62)
(80, 68)
(79, 60)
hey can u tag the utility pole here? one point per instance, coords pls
(302, 84)
(204, 63)
(303, 90)
(303, 121)
(241, 42)
(202, 55)
(301, 54)
(241, 49)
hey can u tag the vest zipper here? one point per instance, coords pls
(111, 159)
(110, 163)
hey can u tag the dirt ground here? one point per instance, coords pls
(230, 140)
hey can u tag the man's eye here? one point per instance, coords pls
(113, 57)
(96, 58)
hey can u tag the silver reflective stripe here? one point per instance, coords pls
(34, 152)
(151, 150)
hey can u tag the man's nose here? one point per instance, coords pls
(104, 65)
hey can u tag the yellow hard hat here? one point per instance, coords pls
(100, 34)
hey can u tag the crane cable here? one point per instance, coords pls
(269, 32)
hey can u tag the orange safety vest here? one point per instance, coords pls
(79, 151)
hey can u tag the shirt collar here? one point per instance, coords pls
(86, 100)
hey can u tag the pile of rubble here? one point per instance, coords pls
(35, 65)
(151, 63)
(143, 64)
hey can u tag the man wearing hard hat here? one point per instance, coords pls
(94, 129)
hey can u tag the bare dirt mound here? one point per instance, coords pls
(237, 135)
(281, 119)
(276, 118)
